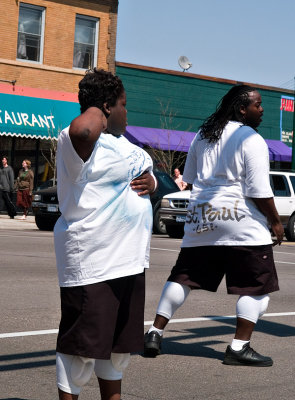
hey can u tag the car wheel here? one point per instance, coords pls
(158, 226)
(290, 230)
(43, 224)
(175, 232)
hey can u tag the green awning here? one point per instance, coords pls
(32, 117)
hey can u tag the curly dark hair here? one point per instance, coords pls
(227, 109)
(99, 87)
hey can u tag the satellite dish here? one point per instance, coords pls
(184, 63)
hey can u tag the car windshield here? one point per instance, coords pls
(292, 179)
(46, 184)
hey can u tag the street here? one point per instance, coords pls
(194, 341)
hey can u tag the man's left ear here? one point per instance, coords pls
(106, 110)
(242, 112)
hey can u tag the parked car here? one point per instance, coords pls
(165, 185)
(174, 205)
(46, 210)
(283, 186)
(49, 183)
(173, 212)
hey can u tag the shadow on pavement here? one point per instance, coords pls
(175, 344)
(45, 362)
(268, 327)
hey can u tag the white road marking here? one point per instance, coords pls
(27, 236)
(283, 252)
(158, 248)
(284, 262)
(172, 321)
(29, 333)
(217, 318)
(279, 262)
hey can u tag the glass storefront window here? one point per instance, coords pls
(5, 147)
(36, 150)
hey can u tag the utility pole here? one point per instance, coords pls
(293, 137)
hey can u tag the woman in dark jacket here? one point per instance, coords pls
(25, 183)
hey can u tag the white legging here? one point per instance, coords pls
(73, 372)
(175, 294)
(252, 307)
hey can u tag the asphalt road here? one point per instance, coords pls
(194, 343)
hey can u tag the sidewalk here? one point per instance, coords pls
(16, 224)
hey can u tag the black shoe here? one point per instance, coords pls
(152, 344)
(246, 356)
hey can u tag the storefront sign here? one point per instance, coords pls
(34, 117)
(286, 119)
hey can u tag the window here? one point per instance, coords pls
(85, 45)
(279, 185)
(292, 179)
(30, 33)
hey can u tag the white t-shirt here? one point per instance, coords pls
(105, 228)
(225, 175)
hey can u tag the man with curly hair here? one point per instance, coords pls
(101, 240)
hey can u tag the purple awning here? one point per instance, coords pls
(278, 151)
(166, 139)
(163, 139)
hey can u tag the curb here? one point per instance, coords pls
(16, 224)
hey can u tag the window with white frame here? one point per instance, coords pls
(85, 44)
(30, 32)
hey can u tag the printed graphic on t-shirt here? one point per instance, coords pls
(137, 159)
(205, 217)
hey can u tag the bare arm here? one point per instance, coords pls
(85, 130)
(268, 208)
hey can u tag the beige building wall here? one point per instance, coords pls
(55, 72)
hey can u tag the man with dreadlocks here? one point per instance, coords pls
(226, 229)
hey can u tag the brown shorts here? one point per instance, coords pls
(248, 270)
(102, 318)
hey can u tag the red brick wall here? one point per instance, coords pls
(55, 72)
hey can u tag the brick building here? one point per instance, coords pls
(46, 46)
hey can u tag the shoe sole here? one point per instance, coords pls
(259, 364)
(151, 351)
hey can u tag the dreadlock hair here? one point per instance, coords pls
(227, 109)
(99, 87)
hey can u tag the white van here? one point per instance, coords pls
(174, 205)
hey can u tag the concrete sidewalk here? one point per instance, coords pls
(17, 224)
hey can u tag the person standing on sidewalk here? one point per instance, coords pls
(227, 224)
(7, 186)
(25, 185)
